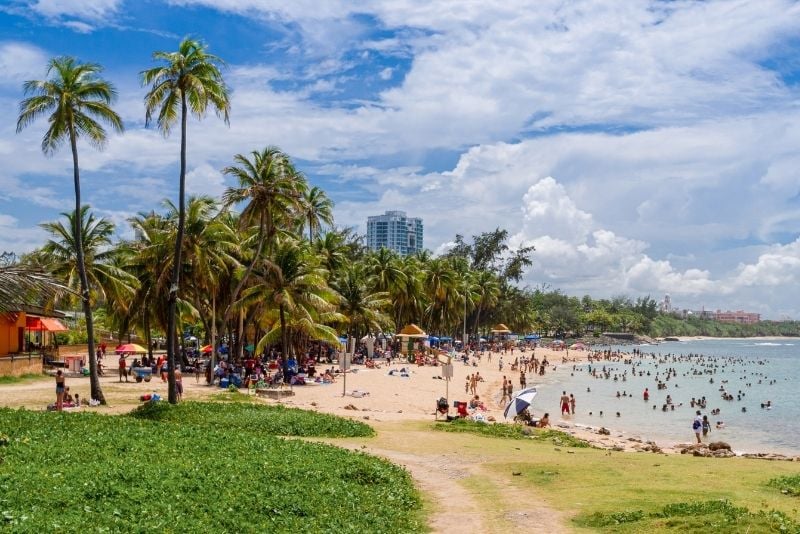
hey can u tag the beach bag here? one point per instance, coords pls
(696, 425)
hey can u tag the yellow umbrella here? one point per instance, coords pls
(131, 347)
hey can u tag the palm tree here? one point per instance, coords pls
(318, 209)
(189, 80)
(77, 101)
(107, 279)
(362, 308)
(294, 284)
(23, 286)
(273, 190)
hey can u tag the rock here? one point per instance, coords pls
(604, 431)
(516, 473)
(527, 431)
(366, 417)
(350, 407)
(491, 418)
(717, 445)
(313, 404)
(617, 448)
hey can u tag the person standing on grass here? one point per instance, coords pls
(697, 426)
(60, 389)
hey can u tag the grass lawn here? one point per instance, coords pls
(642, 492)
(195, 467)
(21, 379)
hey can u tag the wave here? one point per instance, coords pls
(767, 344)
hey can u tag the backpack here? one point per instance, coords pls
(696, 425)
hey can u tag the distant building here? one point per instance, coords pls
(395, 231)
(666, 305)
(739, 317)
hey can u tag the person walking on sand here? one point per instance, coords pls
(522, 380)
(505, 393)
(564, 403)
(697, 426)
(122, 368)
(60, 389)
(572, 403)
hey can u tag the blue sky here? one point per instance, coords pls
(643, 147)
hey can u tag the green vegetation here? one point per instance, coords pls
(788, 485)
(271, 420)
(696, 516)
(499, 430)
(28, 377)
(219, 470)
(668, 325)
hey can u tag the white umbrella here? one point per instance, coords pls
(519, 403)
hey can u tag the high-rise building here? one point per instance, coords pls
(394, 231)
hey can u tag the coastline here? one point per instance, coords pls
(374, 395)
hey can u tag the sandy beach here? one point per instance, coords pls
(366, 394)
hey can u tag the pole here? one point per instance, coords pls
(465, 318)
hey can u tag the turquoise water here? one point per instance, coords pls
(762, 370)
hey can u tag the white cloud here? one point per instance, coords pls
(14, 238)
(91, 10)
(205, 180)
(20, 62)
(386, 74)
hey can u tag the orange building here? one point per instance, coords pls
(24, 335)
(740, 317)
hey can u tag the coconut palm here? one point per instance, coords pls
(188, 80)
(318, 209)
(24, 286)
(272, 189)
(363, 308)
(107, 278)
(77, 101)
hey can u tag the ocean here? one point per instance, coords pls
(751, 371)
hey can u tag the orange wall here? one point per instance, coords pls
(8, 332)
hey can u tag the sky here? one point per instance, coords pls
(643, 147)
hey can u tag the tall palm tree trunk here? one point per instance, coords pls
(284, 344)
(94, 379)
(176, 266)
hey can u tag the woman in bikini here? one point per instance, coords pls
(60, 389)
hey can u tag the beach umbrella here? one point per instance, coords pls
(519, 403)
(131, 347)
(206, 349)
(500, 328)
(412, 330)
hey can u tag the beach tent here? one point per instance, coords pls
(578, 346)
(532, 337)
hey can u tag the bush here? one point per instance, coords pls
(788, 485)
(505, 431)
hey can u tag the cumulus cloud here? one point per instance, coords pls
(80, 15)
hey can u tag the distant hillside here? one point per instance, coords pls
(667, 325)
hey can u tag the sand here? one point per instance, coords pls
(386, 398)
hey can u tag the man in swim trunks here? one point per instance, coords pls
(564, 403)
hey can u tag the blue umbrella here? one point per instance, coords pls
(519, 403)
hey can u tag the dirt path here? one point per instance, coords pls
(465, 494)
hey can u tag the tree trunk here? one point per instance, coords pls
(243, 281)
(213, 331)
(284, 343)
(176, 266)
(147, 333)
(95, 390)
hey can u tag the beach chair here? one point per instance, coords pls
(461, 409)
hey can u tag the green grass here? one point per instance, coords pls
(29, 377)
(696, 516)
(195, 468)
(239, 416)
(504, 431)
(788, 485)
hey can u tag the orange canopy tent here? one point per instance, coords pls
(46, 324)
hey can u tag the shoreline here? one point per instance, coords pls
(381, 397)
